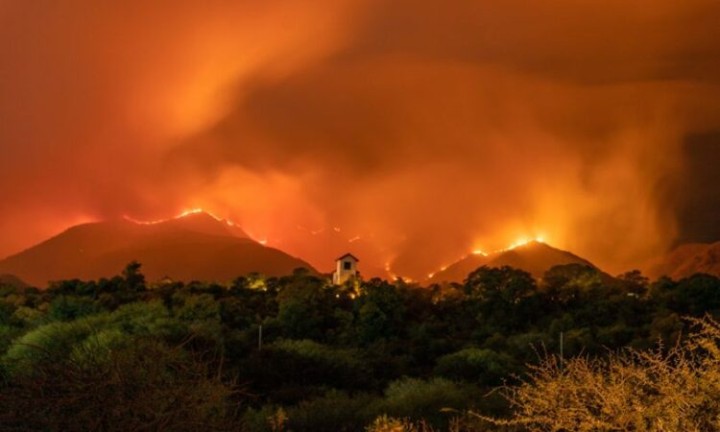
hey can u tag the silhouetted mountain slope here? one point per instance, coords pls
(534, 257)
(196, 246)
(688, 259)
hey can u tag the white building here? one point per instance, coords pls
(345, 269)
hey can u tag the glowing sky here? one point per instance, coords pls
(408, 132)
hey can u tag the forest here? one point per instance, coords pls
(503, 351)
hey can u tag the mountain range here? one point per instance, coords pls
(197, 246)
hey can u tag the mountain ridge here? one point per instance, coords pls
(197, 246)
(534, 257)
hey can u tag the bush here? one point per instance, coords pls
(7, 334)
(334, 412)
(67, 307)
(482, 366)
(269, 418)
(144, 385)
(58, 340)
(418, 399)
(673, 390)
(294, 370)
(51, 343)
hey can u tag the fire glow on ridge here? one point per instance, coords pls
(516, 244)
(191, 212)
(524, 241)
(184, 214)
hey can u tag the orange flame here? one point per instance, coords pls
(183, 214)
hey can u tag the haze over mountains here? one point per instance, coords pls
(196, 246)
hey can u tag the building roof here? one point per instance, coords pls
(348, 255)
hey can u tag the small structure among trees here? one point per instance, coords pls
(345, 269)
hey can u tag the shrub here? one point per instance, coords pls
(68, 307)
(302, 368)
(268, 418)
(333, 412)
(659, 390)
(418, 399)
(483, 366)
(144, 385)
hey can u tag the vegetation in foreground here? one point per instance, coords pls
(297, 354)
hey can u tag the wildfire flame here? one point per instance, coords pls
(522, 241)
(194, 211)
(184, 214)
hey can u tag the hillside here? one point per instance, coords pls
(196, 246)
(688, 259)
(534, 257)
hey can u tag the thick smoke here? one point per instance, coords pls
(408, 132)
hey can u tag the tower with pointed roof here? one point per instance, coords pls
(345, 269)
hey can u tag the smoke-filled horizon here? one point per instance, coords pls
(407, 132)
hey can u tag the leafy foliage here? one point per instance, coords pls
(310, 356)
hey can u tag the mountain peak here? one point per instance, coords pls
(529, 245)
(192, 246)
(534, 256)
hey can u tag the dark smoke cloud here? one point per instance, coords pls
(409, 132)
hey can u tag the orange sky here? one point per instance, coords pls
(407, 132)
